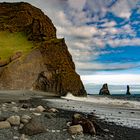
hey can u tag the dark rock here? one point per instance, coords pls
(104, 90)
(2, 119)
(128, 90)
(25, 106)
(33, 127)
(87, 125)
(48, 66)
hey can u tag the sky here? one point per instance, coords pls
(103, 36)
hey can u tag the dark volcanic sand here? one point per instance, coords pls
(58, 123)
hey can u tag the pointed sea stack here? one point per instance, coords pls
(47, 65)
(128, 90)
(104, 90)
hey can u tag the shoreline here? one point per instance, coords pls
(58, 122)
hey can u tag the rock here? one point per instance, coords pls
(75, 129)
(48, 66)
(2, 119)
(33, 127)
(104, 90)
(50, 115)
(21, 126)
(40, 109)
(128, 90)
(37, 114)
(53, 110)
(23, 137)
(25, 106)
(88, 126)
(14, 120)
(14, 109)
(25, 119)
(16, 138)
(106, 130)
(4, 124)
(69, 124)
(13, 103)
(3, 108)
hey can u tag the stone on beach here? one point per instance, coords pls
(53, 110)
(88, 126)
(75, 129)
(4, 124)
(14, 109)
(33, 127)
(40, 109)
(14, 120)
(25, 119)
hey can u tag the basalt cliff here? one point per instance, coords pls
(46, 65)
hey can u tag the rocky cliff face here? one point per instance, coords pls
(48, 66)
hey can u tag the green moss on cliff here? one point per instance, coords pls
(10, 43)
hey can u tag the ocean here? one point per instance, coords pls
(119, 108)
(114, 89)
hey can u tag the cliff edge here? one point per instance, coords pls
(31, 55)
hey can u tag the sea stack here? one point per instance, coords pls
(104, 90)
(41, 61)
(128, 90)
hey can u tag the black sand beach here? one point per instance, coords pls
(56, 123)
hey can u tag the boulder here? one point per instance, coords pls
(75, 129)
(48, 66)
(104, 90)
(88, 126)
(33, 127)
(14, 120)
(4, 124)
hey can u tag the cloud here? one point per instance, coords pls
(114, 79)
(77, 4)
(100, 66)
(86, 42)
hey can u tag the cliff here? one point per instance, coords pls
(34, 57)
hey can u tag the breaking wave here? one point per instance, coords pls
(108, 101)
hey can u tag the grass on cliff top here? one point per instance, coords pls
(10, 43)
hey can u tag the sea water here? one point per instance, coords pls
(119, 108)
(114, 89)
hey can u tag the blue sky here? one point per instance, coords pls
(103, 36)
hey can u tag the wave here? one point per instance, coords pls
(101, 100)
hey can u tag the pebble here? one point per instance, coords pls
(16, 138)
(14, 109)
(13, 103)
(75, 129)
(23, 137)
(25, 118)
(58, 131)
(40, 109)
(53, 131)
(21, 126)
(37, 114)
(68, 124)
(53, 110)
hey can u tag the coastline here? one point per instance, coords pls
(58, 122)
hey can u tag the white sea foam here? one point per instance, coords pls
(105, 101)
